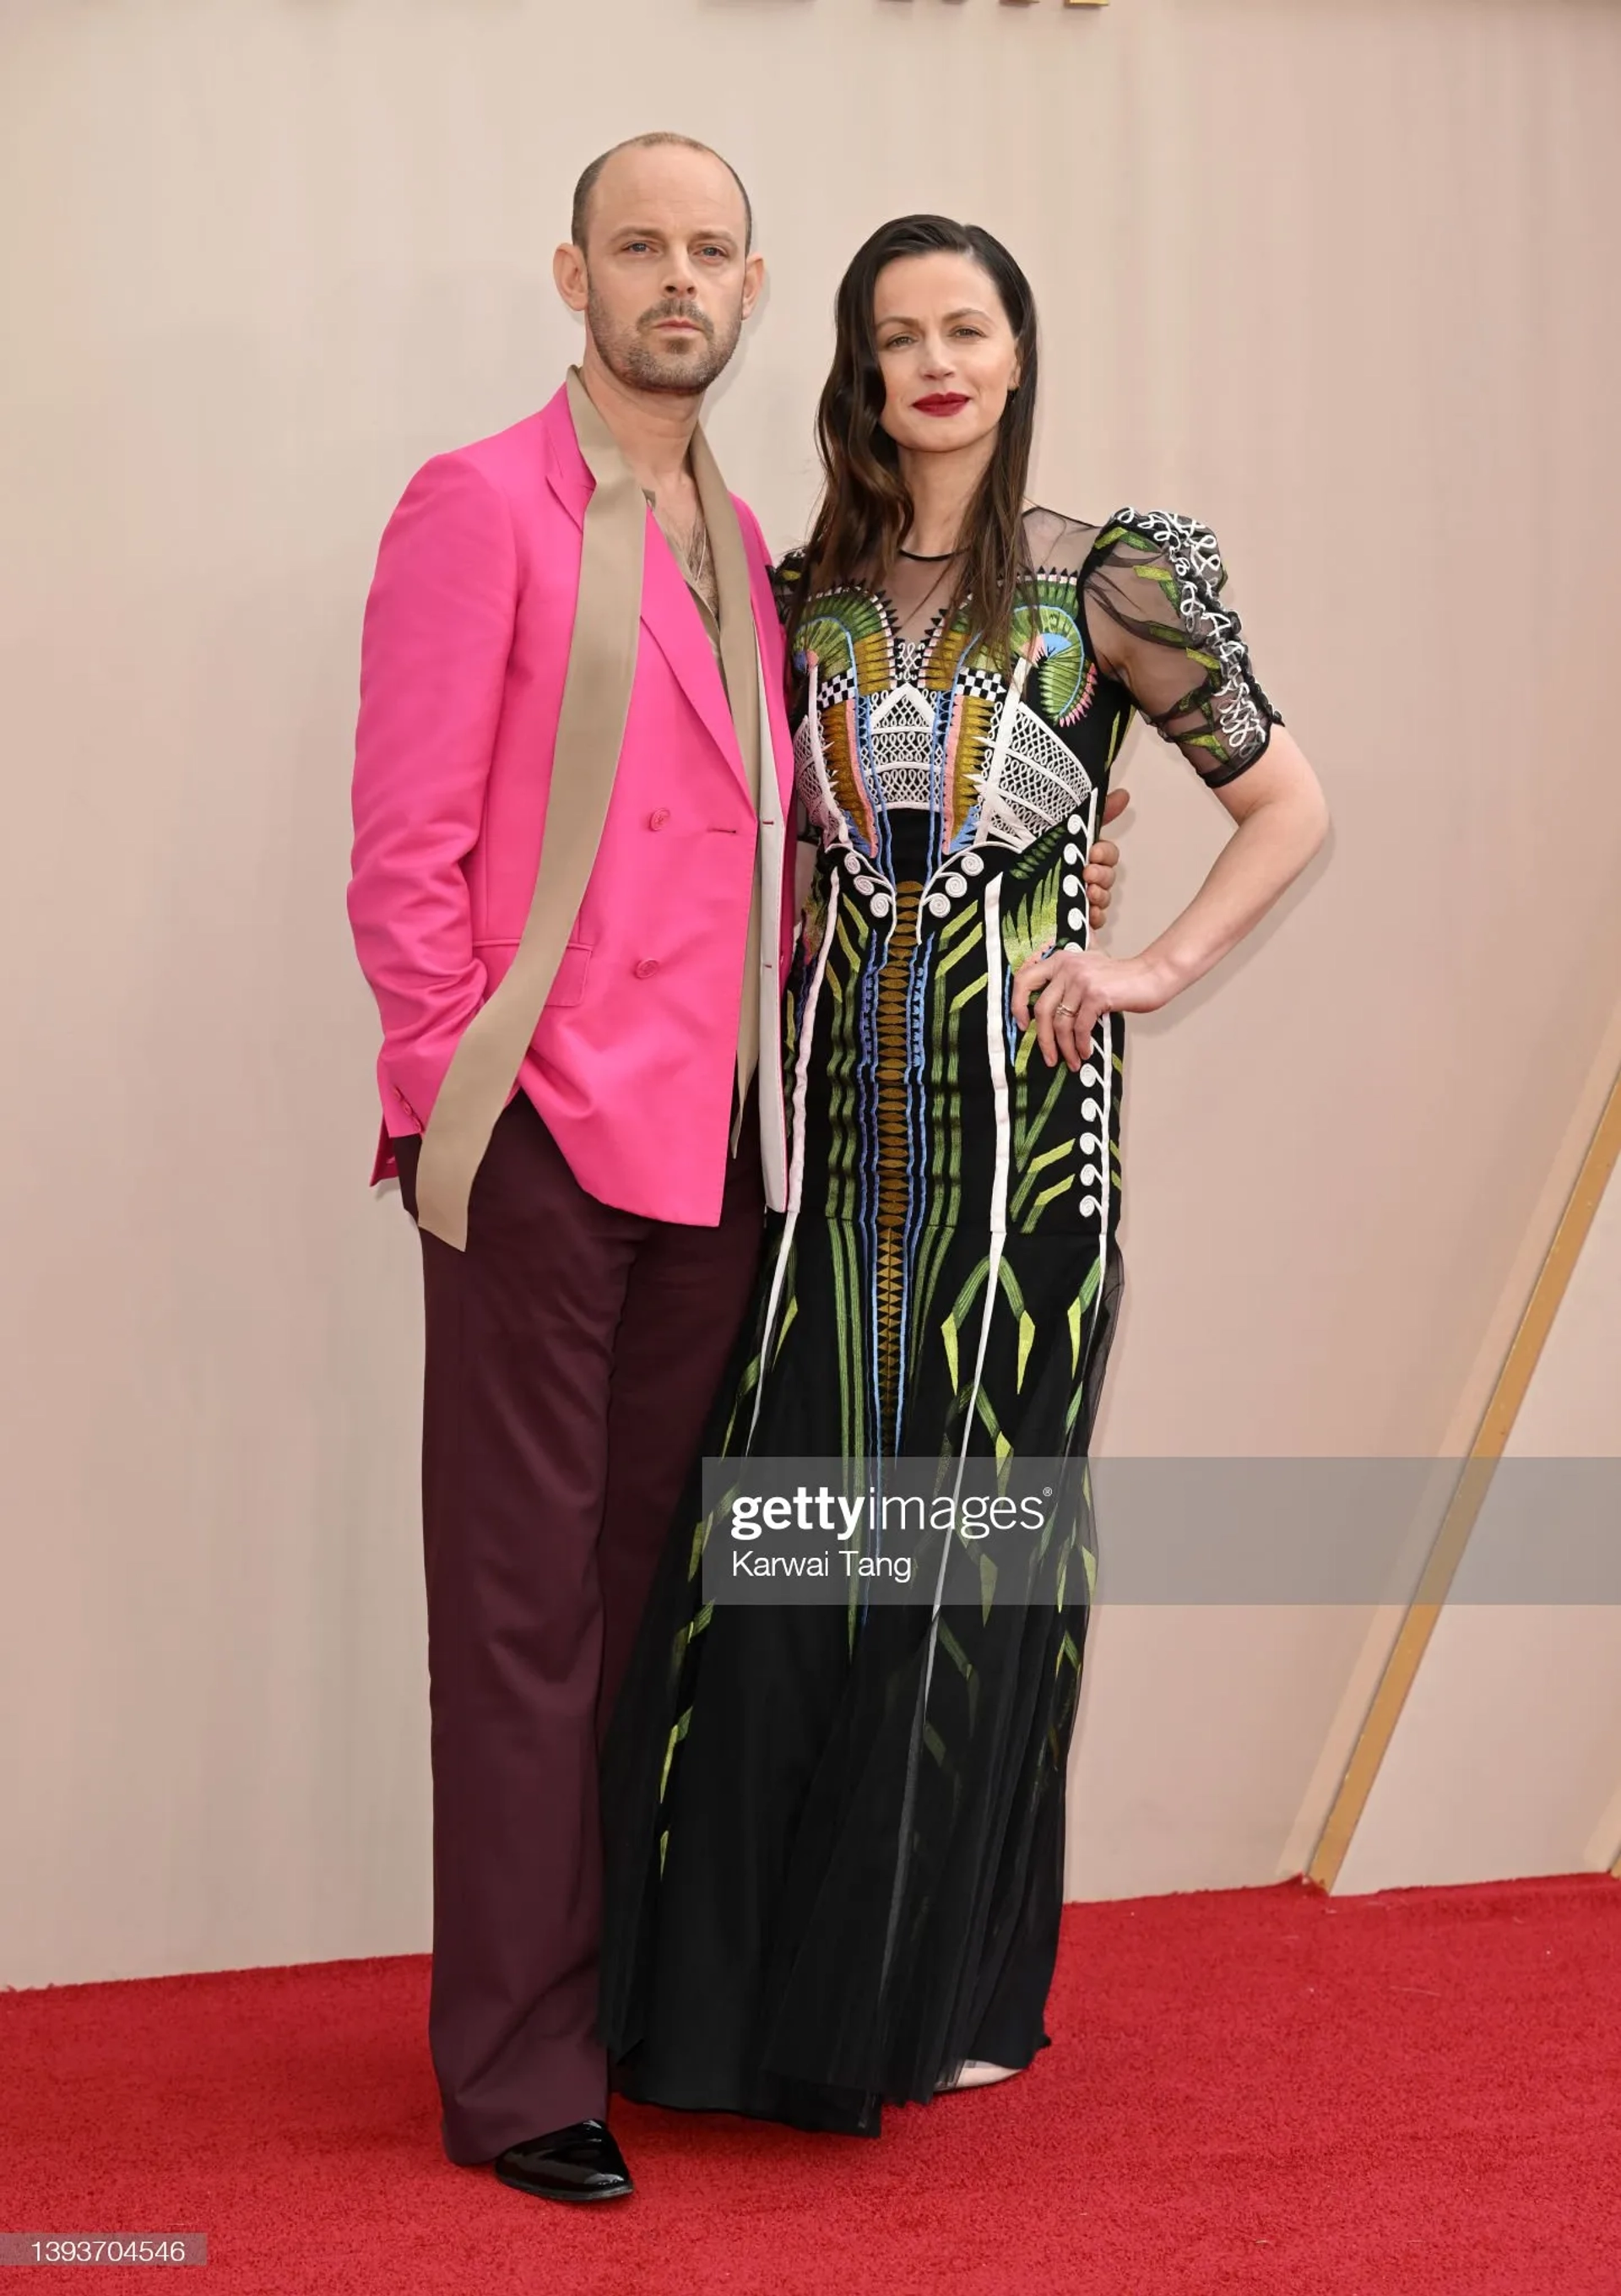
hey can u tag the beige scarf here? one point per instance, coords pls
(590, 733)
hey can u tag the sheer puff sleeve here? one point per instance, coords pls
(1153, 596)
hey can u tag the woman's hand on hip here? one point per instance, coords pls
(1067, 993)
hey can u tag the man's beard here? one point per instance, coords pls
(683, 364)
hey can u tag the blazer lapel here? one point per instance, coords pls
(668, 614)
(738, 641)
(568, 473)
(776, 740)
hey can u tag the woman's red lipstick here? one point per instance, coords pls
(941, 402)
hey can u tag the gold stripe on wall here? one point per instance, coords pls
(1490, 1442)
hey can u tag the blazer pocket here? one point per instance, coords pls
(570, 984)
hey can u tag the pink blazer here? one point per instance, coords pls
(462, 660)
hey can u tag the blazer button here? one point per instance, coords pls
(657, 818)
(645, 967)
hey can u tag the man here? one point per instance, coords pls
(571, 628)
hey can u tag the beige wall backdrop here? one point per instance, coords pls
(1335, 275)
(1512, 1727)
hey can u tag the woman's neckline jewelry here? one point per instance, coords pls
(928, 558)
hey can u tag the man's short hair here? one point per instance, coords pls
(579, 221)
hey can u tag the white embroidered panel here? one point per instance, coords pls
(1034, 779)
(897, 756)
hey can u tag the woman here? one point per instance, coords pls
(834, 1835)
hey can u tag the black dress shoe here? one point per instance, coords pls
(581, 2162)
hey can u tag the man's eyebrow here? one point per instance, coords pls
(657, 231)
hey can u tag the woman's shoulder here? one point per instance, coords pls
(791, 580)
(1057, 543)
(1161, 544)
(1066, 536)
(1062, 546)
(788, 580)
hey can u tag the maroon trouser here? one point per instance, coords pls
(572, 1354)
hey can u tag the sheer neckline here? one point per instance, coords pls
(920, 643)
(913, 603)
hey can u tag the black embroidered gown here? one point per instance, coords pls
(834, 1839)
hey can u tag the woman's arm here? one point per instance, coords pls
(1282, 819)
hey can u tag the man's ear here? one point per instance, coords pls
(569, 270)
(754, 280)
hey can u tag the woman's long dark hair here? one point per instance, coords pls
(865, 510)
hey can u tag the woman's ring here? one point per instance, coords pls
(1059, 1011)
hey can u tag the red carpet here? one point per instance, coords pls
(1251, 2090)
